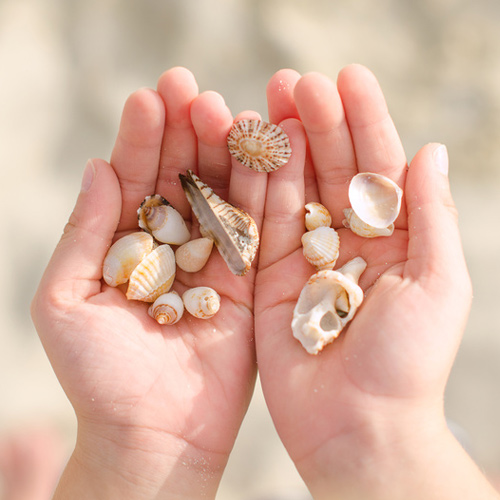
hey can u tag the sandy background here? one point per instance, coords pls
(66, 68)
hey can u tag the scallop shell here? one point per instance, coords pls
(202, 302)
(326, 304)
(167, 309)
(234, 232)
(124, 255)
(162, 220)
(153, 276)
(262, 146)
(376, 199)
(353, 222)
(194, 254)
(321, 247)
(317, 215)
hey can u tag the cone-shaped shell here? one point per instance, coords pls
(153, 276)
(124, 256)
(376, 199)
(317, 215)
(321, 247)
(262, 146)
(202, 302)
(193, 255)
(167, 309)
(353, 222)
(233, 231)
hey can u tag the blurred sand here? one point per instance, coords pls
(67, 68)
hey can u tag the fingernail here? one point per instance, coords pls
(440, 156)
(88, 176)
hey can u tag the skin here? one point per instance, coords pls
(159, 408)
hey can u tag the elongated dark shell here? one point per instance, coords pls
(234, 232)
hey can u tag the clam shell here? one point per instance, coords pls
(193, 255)
(162, 220)
(202, 302)
(376, 199)
(167, 309)
(321, 247)
(233, 231)
(262, 146)
(353, 222)
(317, 215)
(153, 276)
(124, 255)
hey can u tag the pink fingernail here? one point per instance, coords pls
(440, 156)
(88, 176)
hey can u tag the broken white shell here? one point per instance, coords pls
(359, 227)
(262, 146)
(162, 220)
(326, 304)
(317, 215)
(202, 302)
(194, 254)
(233, 231)
(153, 276)
(376, 199)
(321, 247)
(167, 309)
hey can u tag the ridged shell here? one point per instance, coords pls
(153, 276)
(317, 215)
(202, 302)
(321, 247)
(326, 304)
(262, 146)
(124, 255)
(353, 222)
(193, 255)
(167, 309)
(376, 199)
(233, 231)
(162, 220)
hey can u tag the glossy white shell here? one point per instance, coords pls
(321, 247)
(193, 255)
(167, 309)
(124, 256)
(317, 215)
(353, 222)
(326, 304)
(202, 302)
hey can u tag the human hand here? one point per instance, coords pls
(158, 408)
(364, 418)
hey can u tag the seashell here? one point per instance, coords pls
(124, 255)
(194, 254)
(376, 199)
(262, 146)
(202, 302)
(317, 215)
(326, 304)
(153, 276)
(233, 231)
(157, 217)
(321, 247)
(359, 227)
(167, 309)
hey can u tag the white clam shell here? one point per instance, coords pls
(202, 302)
(321, 247)
(363, 229)
(194, 254)
(376, 199)
(317, 215)
(124, 256)
(153, 276)
(162, 220)
(326, 304)
(167, 309)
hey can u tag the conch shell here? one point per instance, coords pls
(321, 247)
(167, 309)
(262, 146)
(194, 254)
(326, 304)
(361, 228)
(202, 302)
(234, 232)
(317, 215)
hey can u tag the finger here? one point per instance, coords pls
(284, 212)
(280, 100)
(178, 89)
(136, 153)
